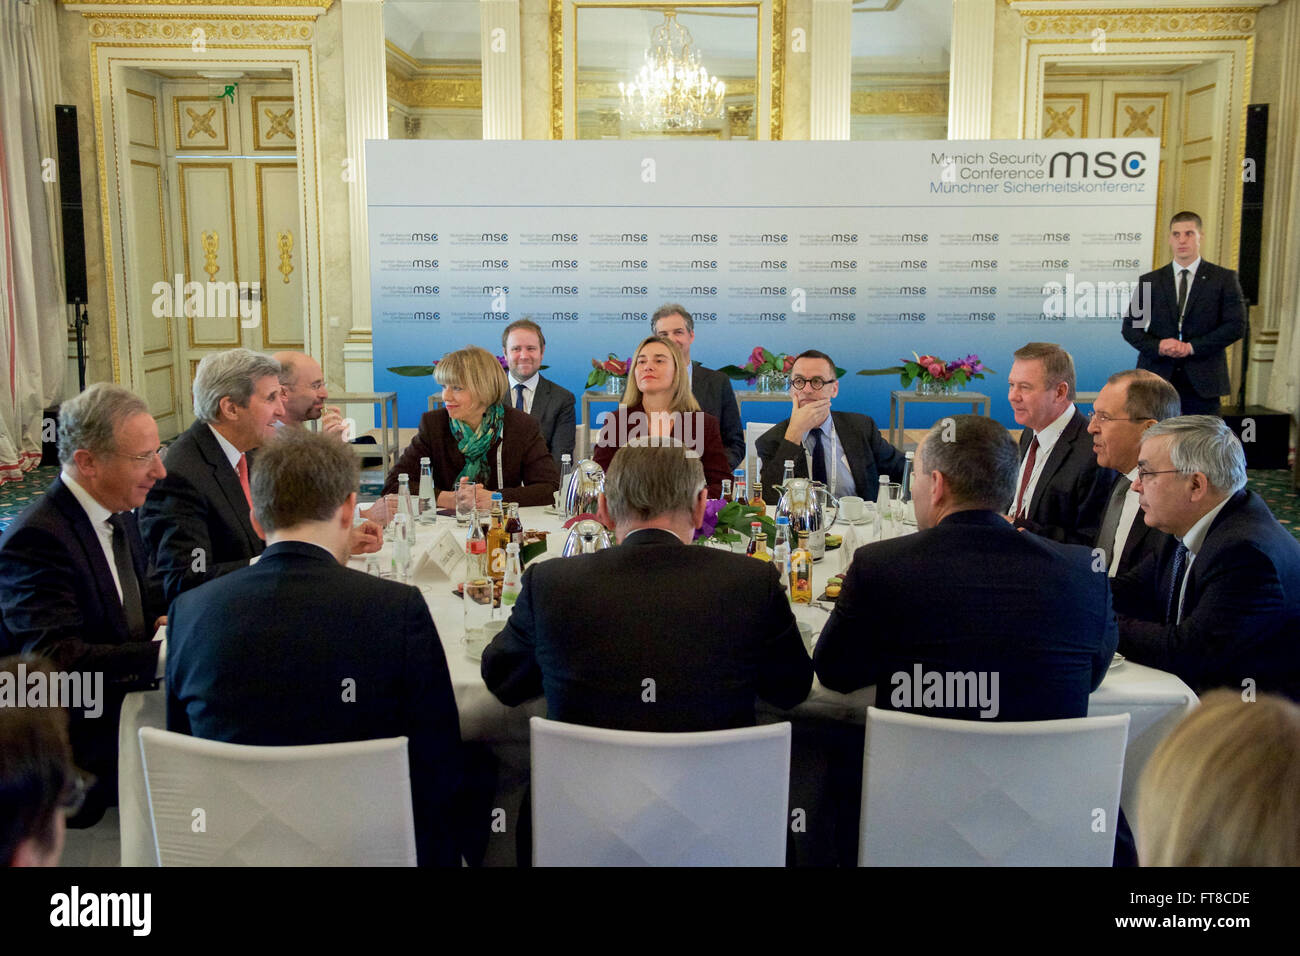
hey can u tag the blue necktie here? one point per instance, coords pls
(1177, 570)
(818, 459)
(519, 396)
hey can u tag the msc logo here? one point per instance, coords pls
(424, 290)
(1124, 263)
(914, 237)
(772, 290)
(983, 237)
(505, 316)
(911, 316)
(565, 316)
(983, 316)
(842, 316)
(494, 237)
(704, 290)
(773, 264)
(1055, 264)
(564, 290)
(1044, 317)
(1103, 164)
(844, 263)
(633, 290)
(911, 290)
(705, 316)
(704, 263)
(844, 238)
(635, 316)
(1128, 237)
(426, 316)
(842, 290)
(1055, 237)
(634, 237)
(983, 290)
(495, 264)
(771, 316)
(913, 264)
(424, 263)
(424, 237)
(984, 263)
(634, 264)
(564, 263)
(496, 290)
(774, 237)
(704, 237)
(564, 237)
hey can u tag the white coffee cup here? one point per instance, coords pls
(852, 507)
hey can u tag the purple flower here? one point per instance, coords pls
(505, 366)
(710, 523)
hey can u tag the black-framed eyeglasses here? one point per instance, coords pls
(1095, 416)
(73, 797)
(1143, 476)
(817, 383)
(145, 459)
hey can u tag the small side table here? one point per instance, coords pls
(388, 441)
(899, 399)
(598, 395)
(743, 397)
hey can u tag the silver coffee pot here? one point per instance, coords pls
(810, 507)
(586, 537)
(586, 483)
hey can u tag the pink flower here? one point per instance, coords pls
(756, 356)
(788, 364)
(935, 369)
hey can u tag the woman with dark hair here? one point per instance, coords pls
(477, 435)
(658, 404)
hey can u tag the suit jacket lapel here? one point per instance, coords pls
(227, 480)
(852, 448)
(1060, 451)
(88, 539)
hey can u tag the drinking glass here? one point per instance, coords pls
(464, 501)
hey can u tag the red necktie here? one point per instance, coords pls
(242, 468)
(1024, 481)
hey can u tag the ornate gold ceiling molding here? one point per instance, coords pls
(932, 102)
(181, 28)
(320, 5)
(1146, 23)
(435, 92)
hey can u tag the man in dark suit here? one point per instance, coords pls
(590, 632)
(1184, 316)
(711, 388)
(844, 450)
(195, 521)
(1035, 630)
(1219, 605)
(73, 581)
(1060, 490)
(290, 651)
(524, 346)
(1128, 404)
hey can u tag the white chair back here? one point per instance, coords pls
(753, 467)
(220, 804)
(625, 798)
(939, 792)
(141, 708)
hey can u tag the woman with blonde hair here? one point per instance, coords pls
(658, 403)
(1223, 789)
(477, 435)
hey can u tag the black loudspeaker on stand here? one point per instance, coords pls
(74, 230)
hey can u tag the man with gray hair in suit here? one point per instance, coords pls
(196, 520)
(1219, 604)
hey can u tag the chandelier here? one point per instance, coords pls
(672, 91)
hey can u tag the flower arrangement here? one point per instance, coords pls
(930, 370)
(763, 362)
(601, 372)
(726, 522)
(422, 371)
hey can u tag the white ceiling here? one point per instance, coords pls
(913, 37)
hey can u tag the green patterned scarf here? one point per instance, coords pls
(474, 445)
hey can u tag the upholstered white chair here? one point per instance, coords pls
(939, 792)
(753, 466)
(625, 798)
(141, 708)
(220, 804)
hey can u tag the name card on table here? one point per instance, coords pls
(442, 557)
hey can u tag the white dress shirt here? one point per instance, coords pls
(1126, 515)
(838, 472)
(1047, 439)
(530, 390)
(1193, 540)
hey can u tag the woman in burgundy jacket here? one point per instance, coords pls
(477, 435)
(659, 403)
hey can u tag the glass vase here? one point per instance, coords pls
(616, 384)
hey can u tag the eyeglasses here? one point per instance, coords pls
(817, 383)
(1145, 476)
(145, 459)
(1104, 418)
(73, 797)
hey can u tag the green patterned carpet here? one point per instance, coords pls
(1273, 486)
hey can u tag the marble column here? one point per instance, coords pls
(501, 40)
(365, 98)
(970, 80)
(832, 69)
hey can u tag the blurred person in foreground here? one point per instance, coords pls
(1223, 789)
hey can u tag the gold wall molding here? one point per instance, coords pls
(899, 102)
(173, 28)
(284, 243)
(320, 6)
(1171, 22)
(435, 92)
(777, 110)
